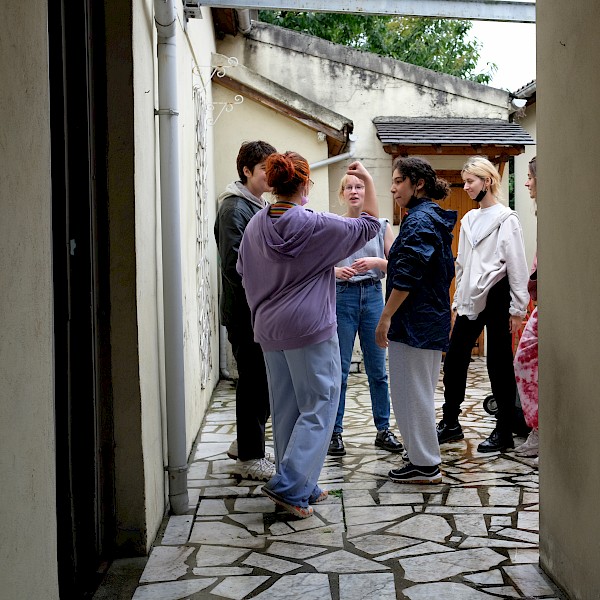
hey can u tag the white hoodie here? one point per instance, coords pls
(481, 263)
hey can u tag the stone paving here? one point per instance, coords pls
(475, 536)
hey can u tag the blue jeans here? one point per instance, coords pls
(304, 387)
(358, 309)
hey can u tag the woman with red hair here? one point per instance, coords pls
(286, 260)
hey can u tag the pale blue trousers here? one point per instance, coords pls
(304, 390)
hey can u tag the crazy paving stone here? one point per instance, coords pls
(528, 520)
(254, 505)
(470, 524)
(436, 567)
(344, 562)
(223, 534)
(298, 587)
(325, 536)
(504, 496)
(294, 550)
(361, 516)
(174, 590)
(416, 550)
(424, 527)
(445, 591)
(212, 556)
(221, 571)
(212, 507)
(463, 497)
(367, 586)
(166, 563)
(493, 577)
(529, 579)
(504, 591)
(238, 587)
(484, 542)
(177, 530)
(270, 563)
(378, 543)
(253, 522)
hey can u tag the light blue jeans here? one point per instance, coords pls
(304, 388)
(358, 309)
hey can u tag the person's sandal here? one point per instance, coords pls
(320, 498)
(303, 512)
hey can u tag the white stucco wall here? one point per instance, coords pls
(524, 205)
(149, 288)
(568, 130)
(252, 121)
(370, 88)
(27, 456)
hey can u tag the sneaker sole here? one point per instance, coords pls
(297, 511)
(232, 456)
(392, 450)
(336, 453)
(423, 480)
(251, 477)
(489, 450)
(453, 438)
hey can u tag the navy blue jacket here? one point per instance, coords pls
(420, 262)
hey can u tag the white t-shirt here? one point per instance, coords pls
(480, 220)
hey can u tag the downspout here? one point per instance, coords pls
(165, 16)
(244, 21)
(339, 157)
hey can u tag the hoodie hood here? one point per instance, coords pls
(444, 219)
(238, 189)
(465, 224)
(287, 237)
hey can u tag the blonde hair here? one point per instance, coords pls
(481, 167)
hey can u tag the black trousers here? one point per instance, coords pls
(252, 393)
(499, 358)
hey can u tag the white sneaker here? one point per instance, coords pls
(259, 469)
(531, 446)
(233, 450)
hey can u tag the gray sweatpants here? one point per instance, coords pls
(414, 373)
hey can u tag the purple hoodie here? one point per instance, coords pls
(286, 266)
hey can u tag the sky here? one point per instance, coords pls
(512, 47)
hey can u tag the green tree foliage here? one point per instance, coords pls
(438, 44)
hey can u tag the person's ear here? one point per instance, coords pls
(247, 172)
(420, 184)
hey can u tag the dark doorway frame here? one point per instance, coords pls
(83, 402)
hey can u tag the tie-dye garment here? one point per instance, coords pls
(526, 370)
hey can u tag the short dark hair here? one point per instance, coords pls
(250, 154)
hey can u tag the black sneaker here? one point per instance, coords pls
(413, 474)
(336, 445)
(449, 432)
(497, 442)
(387, 440)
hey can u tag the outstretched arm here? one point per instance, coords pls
(371, 205)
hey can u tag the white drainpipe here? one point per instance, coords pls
(165, 16)
(339, 157)
(244, 21)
